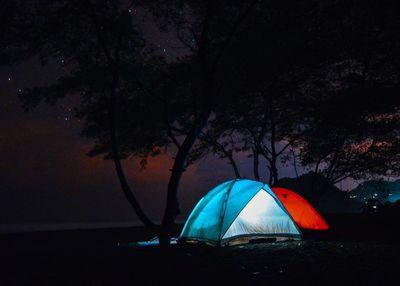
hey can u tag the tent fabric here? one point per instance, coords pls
(237, 209)
(261, 216)
(303, 213)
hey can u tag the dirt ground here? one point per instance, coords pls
(346, 256)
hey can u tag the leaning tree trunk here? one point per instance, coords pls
(234, 167)
(125, 186)
(113, 65)
(172, 208)
(204, 87)
(117, 162)
(201, 80)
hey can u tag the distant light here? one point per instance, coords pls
(66, 118)
(9, 79)
(374, 207)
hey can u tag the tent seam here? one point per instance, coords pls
(224, 210)
(222, 235)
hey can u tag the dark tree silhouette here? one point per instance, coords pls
(353, 127)
(264, 116)
(107, 66)
(104, 56)
(207, 29)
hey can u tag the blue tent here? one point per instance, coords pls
(238, 211)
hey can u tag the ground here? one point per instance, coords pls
(351, 255)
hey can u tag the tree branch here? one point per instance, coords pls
(232, 32)
(100, 38)
(287, 146)
(219, 147)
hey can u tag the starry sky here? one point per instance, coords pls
(46, 178)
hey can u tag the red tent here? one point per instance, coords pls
(301, 211)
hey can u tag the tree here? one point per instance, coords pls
(348, 139)
(108, 67)
(207, 29)
(354, 128)
(104, 57)
(263, 115)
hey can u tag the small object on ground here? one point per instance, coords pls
(153, 241)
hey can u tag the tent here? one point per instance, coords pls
(239, 211)
(301, 211)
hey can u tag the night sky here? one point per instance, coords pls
(46, 177)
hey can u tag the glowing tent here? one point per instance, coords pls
(239, 211)
(301, 211)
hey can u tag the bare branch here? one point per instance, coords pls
(287, 146)
(219, 147)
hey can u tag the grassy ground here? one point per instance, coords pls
(348, 254)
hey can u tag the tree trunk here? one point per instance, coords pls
(273, 168)
(255, 164)
(128, 192)
(117, 162)
(172, 207)
(113, 65)
(203, 86)
(295, 164)
(234, 167)
(229, 156)
(273, 172)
